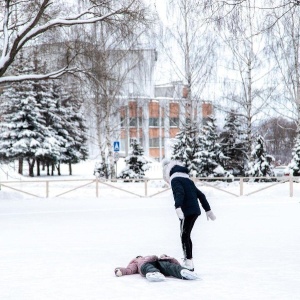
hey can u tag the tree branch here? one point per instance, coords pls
(31, 29)
(37, 77)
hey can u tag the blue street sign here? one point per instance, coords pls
(116, 146)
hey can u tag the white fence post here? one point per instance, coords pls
(97, 187)
(47, 189)
(241, 186)
(146, 187)
(291, 186)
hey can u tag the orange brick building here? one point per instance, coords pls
(155, 122)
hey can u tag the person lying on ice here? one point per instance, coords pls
(155, 269)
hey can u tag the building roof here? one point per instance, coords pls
(169, 90)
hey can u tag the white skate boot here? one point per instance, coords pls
(189, 275)
(155, 276)
(188, 264)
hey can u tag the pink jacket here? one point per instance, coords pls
(134, 266)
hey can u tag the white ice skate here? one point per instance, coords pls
(155, 276)
(188, 264)
(189, 275)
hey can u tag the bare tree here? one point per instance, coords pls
(111, 64)
(23, 22)
(217, 7)
(279, 134)
(246, 86)
(106, 81)
(284, 45)
(189, 45)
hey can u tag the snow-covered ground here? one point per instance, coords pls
(67, 247)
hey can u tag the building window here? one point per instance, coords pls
(133, 122)
(154, 142)
(154, 122)
(174, 122)
(123, 122)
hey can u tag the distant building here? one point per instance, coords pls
(155, 122)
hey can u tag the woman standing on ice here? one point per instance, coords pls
(186, 196)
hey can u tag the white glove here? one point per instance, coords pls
(118, 272)
(179, 213)
(210, 215)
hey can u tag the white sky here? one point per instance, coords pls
(161, 7)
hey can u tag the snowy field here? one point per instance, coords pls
(66, 248)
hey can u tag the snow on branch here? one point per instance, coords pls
(16, 32)
(52, 75)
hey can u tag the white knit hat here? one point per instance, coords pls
(167, 168)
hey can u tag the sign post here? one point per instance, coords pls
(116, 154)
(116, 146)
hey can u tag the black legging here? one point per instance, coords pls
(186, 226)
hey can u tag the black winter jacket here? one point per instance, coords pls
(186, 194)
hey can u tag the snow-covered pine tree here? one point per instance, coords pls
(185, 145)
(23, 129)
(209, 159)
(295, 162)
(66, 124)
(136, 163)
(260, 165)
(233, 145)
(51, 114)
(67, 143)
(76, 147)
